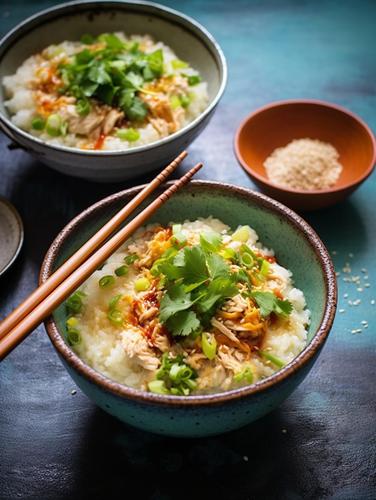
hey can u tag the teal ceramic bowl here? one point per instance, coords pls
(297, 247)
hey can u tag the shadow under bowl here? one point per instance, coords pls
(277, 124)
(297, 247)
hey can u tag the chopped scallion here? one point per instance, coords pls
(208, 345)
(273, 359)
(38, 123)
(141, 284)
(122, 270)
(128, 134)
(73, 336)
(106, 281)
(158, 387)
(53, 125)
(242, 234)
(129, 259)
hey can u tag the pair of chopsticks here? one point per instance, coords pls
(67, 278)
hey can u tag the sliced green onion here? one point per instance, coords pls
(113, 302)
(129, 259)
(185, 100)
(180, 372)
(175, 102)
(179, 64)
(115, 316)
(71, 322)
(73, 336)
(83, 107)
(208, 345)
(242, 234)
(38, 123)
(74, 302)
(265, 267)
(121, 271)
(247, 260)
(245, 375)
(228, 253)
(106, 281)
(141, 284)
(158, 387)
(128, 134)
(53, 125)
(273, 359)
(178, 233)
(193, 80)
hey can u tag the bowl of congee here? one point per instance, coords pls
(117, 95)
(205, 319)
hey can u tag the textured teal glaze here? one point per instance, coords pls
(293, 251)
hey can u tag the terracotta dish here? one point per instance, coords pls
(277, 124)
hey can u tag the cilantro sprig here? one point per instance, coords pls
(113, 74)
(197, 283)
(269, 303)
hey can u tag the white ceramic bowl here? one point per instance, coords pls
(187, 38)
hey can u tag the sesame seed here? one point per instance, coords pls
(366, 277)
(73, 392)
(341, 310)
(245, 458)
(373, 302)
(356, 302)
(345, 295)
(360, 289)
(351, 255)
(365, 326)
(350, 302)
(367, 285)
(338, 273)
(334, 252)
(284, 431)
(364, 270)
(364, 322)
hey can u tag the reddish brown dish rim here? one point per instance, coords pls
(264, 180)
(218, 398)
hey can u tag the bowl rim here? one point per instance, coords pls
(186, 22)
(140, 396)
(20, 233)
(315, 102)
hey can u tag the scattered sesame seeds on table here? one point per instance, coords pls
(320, 444)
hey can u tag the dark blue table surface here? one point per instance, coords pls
(321, 442)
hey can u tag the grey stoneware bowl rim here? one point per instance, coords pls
(290, 369)
(20, 233)
(186, 22)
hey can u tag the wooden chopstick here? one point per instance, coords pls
(83, 253)
(80, 274)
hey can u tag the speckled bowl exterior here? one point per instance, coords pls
(190, 41)
(297, 247)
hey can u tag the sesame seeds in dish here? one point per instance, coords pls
(304, 164)
(110, 92)
(189, 308)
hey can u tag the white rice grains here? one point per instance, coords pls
(304, 164)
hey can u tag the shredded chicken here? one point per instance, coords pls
(85, 125)
(227, 358)
(137, 348)
(110, 120)
(222, 328)
(148, 314)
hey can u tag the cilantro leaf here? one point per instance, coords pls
(183, 323)
(194, 270)
(155, 60)
(219, 289)
(217, 266)
(137, 111)
(269, 303)
(173, 301)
